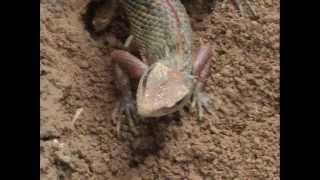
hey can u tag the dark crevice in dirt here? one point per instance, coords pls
(142, 147)
(90, 14)
(151, 140)
(64, 170)
(105, 17)
(49, 134)
(203, 7)
(49, 138)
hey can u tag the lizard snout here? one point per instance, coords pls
(160, 91)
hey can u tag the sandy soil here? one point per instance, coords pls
(239, 141)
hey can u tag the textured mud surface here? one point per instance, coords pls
(239, 141)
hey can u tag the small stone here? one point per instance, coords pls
(84, 64)
(255, 23)
(194, 176)
(136, 178)
(228, 33)
(257, 140)
(62, 157)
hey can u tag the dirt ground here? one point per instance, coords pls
(239, 141)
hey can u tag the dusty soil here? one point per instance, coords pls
(239, 141)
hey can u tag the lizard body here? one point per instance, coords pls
(162, 30)
(168, 76)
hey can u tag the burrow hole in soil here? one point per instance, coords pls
(117, 26)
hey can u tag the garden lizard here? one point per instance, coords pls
(169, 74)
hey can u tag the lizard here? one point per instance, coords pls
(168, 73)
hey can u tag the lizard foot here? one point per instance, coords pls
(243, 11)
(125, 107)
(201, 101)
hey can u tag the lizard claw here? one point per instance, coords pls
(201, 102)
(125, 107)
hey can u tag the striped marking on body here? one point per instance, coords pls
(173, 10)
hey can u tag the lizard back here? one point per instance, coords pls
(162, 29)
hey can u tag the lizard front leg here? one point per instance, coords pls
(126, 67)
(201, 67)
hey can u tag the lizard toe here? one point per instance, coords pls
(201, 102)
(125, 109)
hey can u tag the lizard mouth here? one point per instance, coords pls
(168, 110)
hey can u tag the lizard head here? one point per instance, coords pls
(161, 91)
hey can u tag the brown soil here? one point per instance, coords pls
(239, 141)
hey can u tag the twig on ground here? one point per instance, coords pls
(76, 116)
